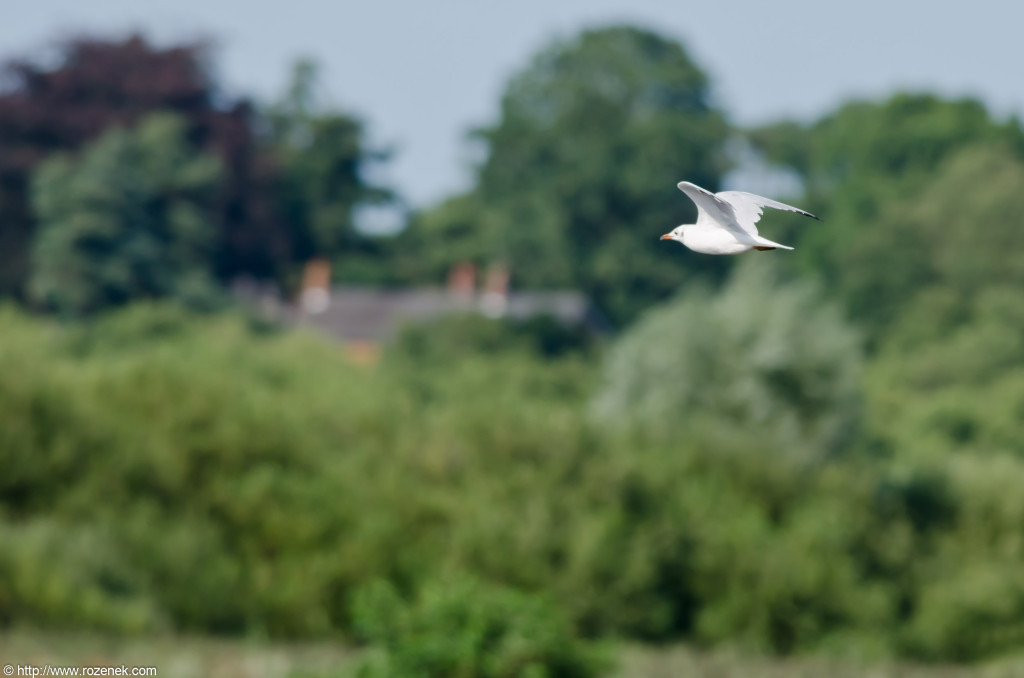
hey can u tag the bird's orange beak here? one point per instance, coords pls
(667, 236)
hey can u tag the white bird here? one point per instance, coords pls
(726, 221)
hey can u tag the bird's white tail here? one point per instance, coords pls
(766, 244)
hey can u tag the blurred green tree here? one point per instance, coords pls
(863, 158)
(325, 162)
(870, 145)
(762, 354)
(49, 106)
(956, 235)
(471, 629)
(578, 180)
(946, 303)
(129, 219)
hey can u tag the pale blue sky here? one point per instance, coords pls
(422, 72)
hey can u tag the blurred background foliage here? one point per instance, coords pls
(772, 354)
(126, 221)
(809, 453)
(574, 168)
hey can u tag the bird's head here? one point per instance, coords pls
(675, 234)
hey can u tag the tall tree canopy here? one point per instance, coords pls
(580, 171)
(97, 84)
(946, 291)
(325, 160)
(920, 244)
(865, 157)
(129, 219)
(881, 146)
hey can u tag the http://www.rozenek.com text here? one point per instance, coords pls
(50, 670)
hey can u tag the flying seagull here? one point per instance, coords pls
(726, 221)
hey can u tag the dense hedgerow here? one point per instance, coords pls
(167, 471)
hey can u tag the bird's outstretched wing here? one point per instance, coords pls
(748, 207)
(712, 211)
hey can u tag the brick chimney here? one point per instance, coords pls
(462, 282)
(316, 286)
(494, 301)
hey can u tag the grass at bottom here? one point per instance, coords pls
(210, 657)
(176, 656)
(685, 662)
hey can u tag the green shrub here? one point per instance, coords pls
(162, 470)
(469, 629)
(762, 355)
(71, 577)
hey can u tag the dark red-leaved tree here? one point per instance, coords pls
(97, 84)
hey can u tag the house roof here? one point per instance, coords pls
(378, 314)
